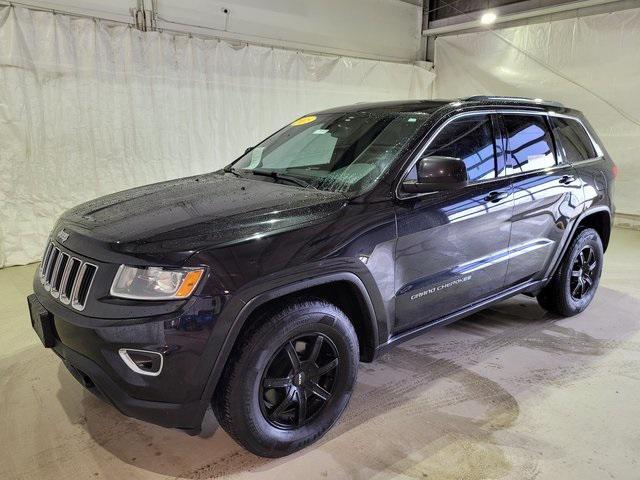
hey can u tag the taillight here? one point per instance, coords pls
(614, 171)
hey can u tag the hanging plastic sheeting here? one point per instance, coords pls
(88, 108)
(590, 63)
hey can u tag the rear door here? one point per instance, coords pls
(547, 195)
(452, 245)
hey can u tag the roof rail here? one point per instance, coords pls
(536, 101)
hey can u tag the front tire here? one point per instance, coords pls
(574, 284)
(289, 378)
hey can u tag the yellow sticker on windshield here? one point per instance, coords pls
(304, 120)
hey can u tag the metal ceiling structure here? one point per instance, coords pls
(452, 16)
(446, 17)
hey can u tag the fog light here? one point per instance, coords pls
(144, 362)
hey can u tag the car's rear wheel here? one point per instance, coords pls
(289, 378)
(575, 282)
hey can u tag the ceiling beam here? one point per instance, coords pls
(412, 2)
(462, 22)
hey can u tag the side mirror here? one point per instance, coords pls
(437, 173)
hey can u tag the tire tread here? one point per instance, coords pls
(553, 297)
(225, 397)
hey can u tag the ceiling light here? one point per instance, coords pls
(488, 18)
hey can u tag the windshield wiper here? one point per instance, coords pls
(230, 169)
(282, 176)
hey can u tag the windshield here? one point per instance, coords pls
(336, 152)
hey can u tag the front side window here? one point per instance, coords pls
(470, 139)
(573, 139)
(341, 152)
(529, 143)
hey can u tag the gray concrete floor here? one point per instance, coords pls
(511, 392)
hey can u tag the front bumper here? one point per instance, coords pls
(94, 379)
(89, 349)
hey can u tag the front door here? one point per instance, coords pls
(452, 246)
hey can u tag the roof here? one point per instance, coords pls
(429, 106)
(514, 100)
(392, 106)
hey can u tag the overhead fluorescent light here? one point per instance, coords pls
(488, 18)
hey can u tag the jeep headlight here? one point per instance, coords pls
(155, 283)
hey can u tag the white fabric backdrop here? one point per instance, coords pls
(590, 63)
(88, 108)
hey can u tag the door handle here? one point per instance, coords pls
(567, 179)
(496, 196)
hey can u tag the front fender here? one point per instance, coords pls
(239, 309)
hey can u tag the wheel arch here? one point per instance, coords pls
(345, 292)
(600, 221)
(598, 218)
(324, 287)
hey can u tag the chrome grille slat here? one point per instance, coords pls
(45, 262)
(65, 277)
(45, 257)
(86, 274)
(61, 263)
(50, 265)
(54, 273)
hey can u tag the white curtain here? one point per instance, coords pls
(590, 63)
(88, 108)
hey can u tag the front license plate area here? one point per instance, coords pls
(42, 322)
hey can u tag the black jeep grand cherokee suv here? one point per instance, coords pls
(256, 289)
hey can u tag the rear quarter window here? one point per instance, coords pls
(573, 139)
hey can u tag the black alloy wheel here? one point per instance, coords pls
(289, 377)
(583, 273)
(576, 279)
(299, 380)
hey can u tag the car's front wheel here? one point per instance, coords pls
(574, 284)
(289, 378)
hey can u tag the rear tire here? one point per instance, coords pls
(574, 284)
(289, 378)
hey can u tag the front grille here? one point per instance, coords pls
(65, 277)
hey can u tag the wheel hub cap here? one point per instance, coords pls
(299, 379)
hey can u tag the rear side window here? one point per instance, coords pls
(573, 139)
(471, 140)
(529, 143)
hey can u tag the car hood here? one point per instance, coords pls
(188, 214)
